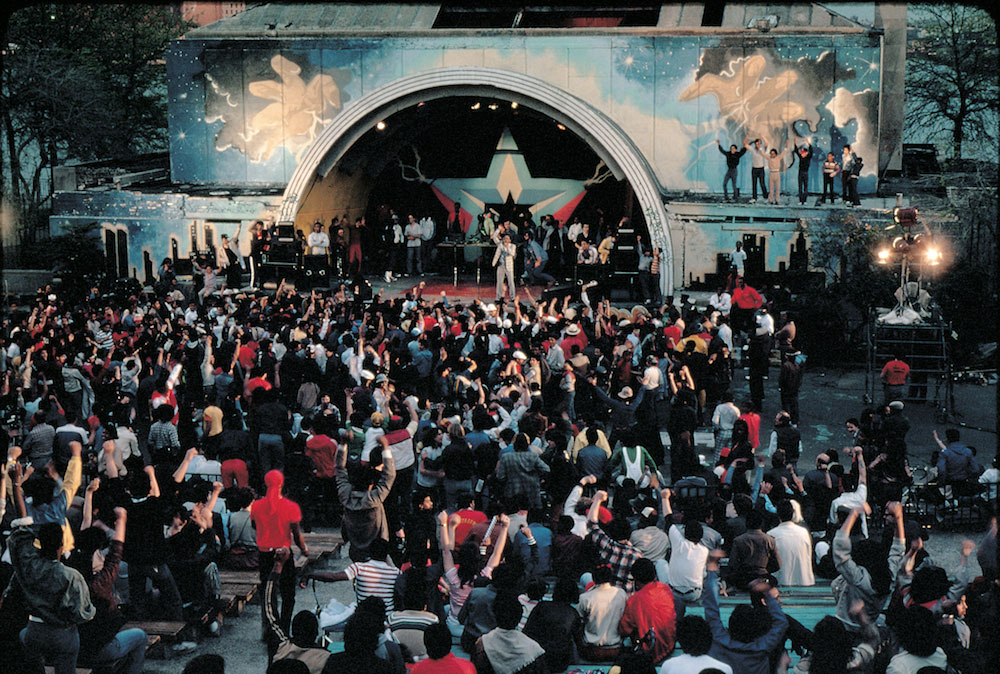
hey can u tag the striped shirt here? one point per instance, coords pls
(374, 579)
(408, 627)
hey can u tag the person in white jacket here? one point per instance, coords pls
(794, 545)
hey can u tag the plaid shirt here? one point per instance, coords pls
(619, 555)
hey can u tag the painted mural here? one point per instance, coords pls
(241, 113)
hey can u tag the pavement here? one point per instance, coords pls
(828, 398)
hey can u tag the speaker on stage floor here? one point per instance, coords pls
(315, 271)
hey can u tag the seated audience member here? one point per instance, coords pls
(833, 649)
(505, 650)
(917, 634)
(753, 635)
(695, 639)
(602, 607)
(440, 659)
(794, 548)
(556, 625)
(649, 616)
(361, 639)
(754, 554)
(410, 622)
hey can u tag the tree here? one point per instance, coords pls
(80, 82)
(951, 74)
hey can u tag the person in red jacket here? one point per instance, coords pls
(649, 616)
(894, 376)
(746, 300)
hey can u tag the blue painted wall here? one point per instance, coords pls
(243, 112)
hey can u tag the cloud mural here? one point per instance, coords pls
(283, 108)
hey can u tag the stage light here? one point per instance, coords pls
(494, 106)
(476, 105)
(513, 105)
(883, 255)
(561, 127)
(380, 126)
(932, 255)
(421, 104)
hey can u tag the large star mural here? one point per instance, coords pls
(508, 180)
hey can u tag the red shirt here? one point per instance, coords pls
(747, 298)
(246, 356)
(652, 607)
(895, 373)
(469, 519)
(673, 335)
(323, 452)
(753, 428)
(449, 664)
(274, 524)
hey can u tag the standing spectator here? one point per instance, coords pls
(804, 153)
(521, 472)
(775, 167)
(277, 519)
(362, 491)
(413, 234)
(794, 548)
(738, 258)
(895, 375)
(789, 384)
(733, 157)
(830, 170)
(846, 168)
(56, 595)
(428, 232)
(301, 644)
(757, 161)
(723, 419)
(272, 422)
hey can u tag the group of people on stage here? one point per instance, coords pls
(776, 160)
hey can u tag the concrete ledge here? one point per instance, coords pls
(24, 281)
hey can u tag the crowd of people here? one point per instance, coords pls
(497, 472)
(777, 160)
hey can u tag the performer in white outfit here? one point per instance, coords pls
(503, 260)
(318, 241)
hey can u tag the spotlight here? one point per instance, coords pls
(476, 105)
(421, 104)
(380, 126)
(493, 106)
(932, 255)
(513, 105)
(883, 256)
(561, 127)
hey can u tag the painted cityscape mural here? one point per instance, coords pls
(245, 114)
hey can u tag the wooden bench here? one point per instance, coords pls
(165, 630)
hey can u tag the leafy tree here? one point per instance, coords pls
(80, 82)
(951, 74)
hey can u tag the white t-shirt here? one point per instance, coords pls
(319, 243)
(651, 377)
(739, 258)
(851, 500)
(687, 561)
(693, 664)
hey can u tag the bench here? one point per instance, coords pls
(164, 630)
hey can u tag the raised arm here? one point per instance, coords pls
(445, 541)
(500, 532)
(183, 467)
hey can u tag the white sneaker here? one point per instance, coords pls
(388, 277)
(185, 646)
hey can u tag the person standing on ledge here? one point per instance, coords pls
(804, 153)
(757, 161)
(733, 157)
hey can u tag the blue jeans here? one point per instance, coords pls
(128, 646)
(730, 179)
(58, 646)
(272, 452)
(537, 276)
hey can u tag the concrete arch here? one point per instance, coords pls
(605, 137)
